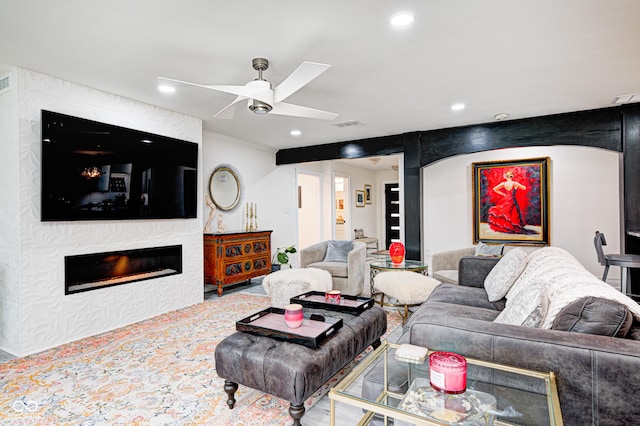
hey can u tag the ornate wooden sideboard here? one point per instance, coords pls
(233, 257)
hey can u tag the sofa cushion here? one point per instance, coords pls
(449, 310)
(592, 315)
(447, 276)
(527, 309)
(468, 296)
(504, 274)
(483, 249)
(338, 251)
(336, 269)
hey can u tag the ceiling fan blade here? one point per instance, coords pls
(306, 72)
(283, 108)
(250, 90)
(228, 111)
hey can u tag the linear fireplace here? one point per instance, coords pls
(98, 270)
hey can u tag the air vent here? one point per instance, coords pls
(349, 123)
(5, 82)
(626, 99)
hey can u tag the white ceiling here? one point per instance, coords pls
(526, 57)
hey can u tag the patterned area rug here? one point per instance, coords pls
(157, 372)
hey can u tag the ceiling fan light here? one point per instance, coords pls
(260, 107)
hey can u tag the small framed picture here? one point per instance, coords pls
(359, 198)
(367, 194)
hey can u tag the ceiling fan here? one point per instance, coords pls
(263, 98)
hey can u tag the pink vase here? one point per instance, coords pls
(293, 315)
(396, 252)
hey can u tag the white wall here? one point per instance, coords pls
(584, 197)
(47, 316)
(271, 187)
(10, 272)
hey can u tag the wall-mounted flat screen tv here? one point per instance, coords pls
(98, 171)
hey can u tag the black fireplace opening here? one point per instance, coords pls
(99, 270)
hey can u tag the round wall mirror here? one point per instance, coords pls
(225, 188)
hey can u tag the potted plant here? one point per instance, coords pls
(281, 257)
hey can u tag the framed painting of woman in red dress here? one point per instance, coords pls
(511, 201)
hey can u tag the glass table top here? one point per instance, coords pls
(507, 395)
(405, 265)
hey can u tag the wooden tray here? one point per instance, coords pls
(270, 323)
(354, 305)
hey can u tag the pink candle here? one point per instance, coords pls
(332, 297)
(293, 315)
(448, 372)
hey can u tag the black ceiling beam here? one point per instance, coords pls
(599, 128)
(383, 145)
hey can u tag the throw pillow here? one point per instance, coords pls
(504, 274)
(359, 233)
(592, 315)
(483, 249)
(528, 309)
(338, 251)
(634, 331)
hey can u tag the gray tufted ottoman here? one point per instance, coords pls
(291, 371)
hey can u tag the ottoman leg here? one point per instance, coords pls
(296, 411)
(376, 344)
(230, 388)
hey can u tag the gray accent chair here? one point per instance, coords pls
(445, 264)
(348, 277)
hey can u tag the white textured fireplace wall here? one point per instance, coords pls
(35, 314)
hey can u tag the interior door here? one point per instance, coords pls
(342, 222)
(309, 209)
(392, 213)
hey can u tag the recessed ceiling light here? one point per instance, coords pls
(457, 107)
(295, 133)
(401, 19)
(501, 116)
(624, 99)
(166, 89)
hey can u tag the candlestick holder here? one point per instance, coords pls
(256, 221)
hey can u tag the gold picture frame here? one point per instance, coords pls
(359, 198)
(367, 194)
(511, 201)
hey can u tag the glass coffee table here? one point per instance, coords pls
(519, 396)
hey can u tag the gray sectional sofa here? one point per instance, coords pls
(556, 316)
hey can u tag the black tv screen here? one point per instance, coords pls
(98, 171)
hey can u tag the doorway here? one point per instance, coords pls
(309, 208)
(342, 209)
(391, 213)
